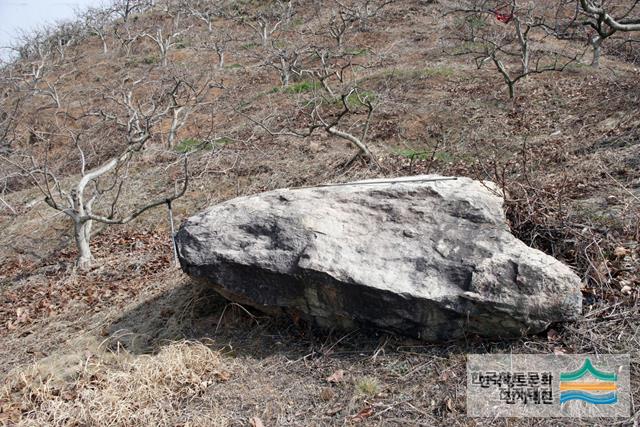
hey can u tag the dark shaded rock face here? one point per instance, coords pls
(429, 259)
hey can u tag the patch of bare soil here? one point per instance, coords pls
(134, 342)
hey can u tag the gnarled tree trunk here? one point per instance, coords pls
(82, 234)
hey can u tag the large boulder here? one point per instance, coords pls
(425, 256)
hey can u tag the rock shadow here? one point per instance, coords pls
(196, 312)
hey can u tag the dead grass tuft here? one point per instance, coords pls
(121, 391)
(367, 386)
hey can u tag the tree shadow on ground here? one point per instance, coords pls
(193, 311)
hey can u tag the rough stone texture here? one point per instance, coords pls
(429, 259)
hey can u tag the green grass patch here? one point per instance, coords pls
(249, 46)
(473, 22)
(355, 100)
(579, 67)
(221, 142)
(151, 59)
(300, 87)
(413, 154)
(182, 43)
(358, 51)
(467, 47)
(409, 153)
(188, 145)
(444, 157)
(440, 71)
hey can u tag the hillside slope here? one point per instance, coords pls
(106, 346)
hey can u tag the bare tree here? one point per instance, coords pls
(96, 194)
(35, 52)
(286, 60)
(38, 74)
(190, 95)
(344, 111)
(11, 101)
(338, 26)
(50, 88)
(221, 43)
(361, 11)
(125, 8)
(266, 20)
(606, 18)
(127, 36)
(204, 11)
(97, 21)
(63, 35)
(166, 36)
(518, 33)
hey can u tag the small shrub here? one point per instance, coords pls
(151, 59)
(244, 104)
(367, 386)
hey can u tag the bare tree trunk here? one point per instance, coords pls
(284, 75)
(596, 44)
(82, 233)
(505, 75)
(175, 123)
(105, 48)
(523, 40)
(356, 141)
(221, 59)
(163, 53)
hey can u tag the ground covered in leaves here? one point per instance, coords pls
(134, 342)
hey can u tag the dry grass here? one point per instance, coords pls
(120, 390)
(106, 347)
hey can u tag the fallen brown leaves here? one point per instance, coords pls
(117, 278)
(336, 377)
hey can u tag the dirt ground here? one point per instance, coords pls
(134, 342)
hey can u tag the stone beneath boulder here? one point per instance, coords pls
(425, 256)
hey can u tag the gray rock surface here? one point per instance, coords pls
(423, 256)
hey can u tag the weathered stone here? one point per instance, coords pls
(423, 256)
